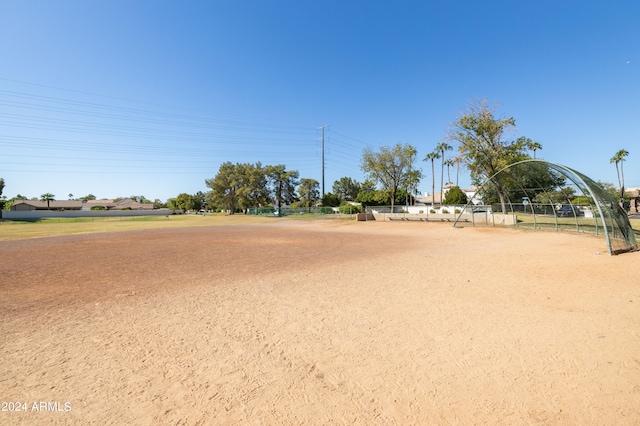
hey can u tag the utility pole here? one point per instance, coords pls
(326, 125)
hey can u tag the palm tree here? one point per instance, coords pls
(458, 161)
(534, 146)
(449, 163)
(48, 197)
(442, 147)
(618, 158)
(432, 156)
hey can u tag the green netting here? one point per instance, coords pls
(538, 204)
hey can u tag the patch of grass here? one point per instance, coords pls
(12, 230)
(569, 223)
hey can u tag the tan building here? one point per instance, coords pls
(124, 204)
(61, 205)
(30, 205)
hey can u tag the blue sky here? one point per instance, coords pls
(119, 98)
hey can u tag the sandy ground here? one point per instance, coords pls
(295, 323)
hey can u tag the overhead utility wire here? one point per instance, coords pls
(119, 98)
(139, 111)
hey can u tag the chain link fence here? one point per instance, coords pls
(344, 212)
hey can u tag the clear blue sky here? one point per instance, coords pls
(119, 98)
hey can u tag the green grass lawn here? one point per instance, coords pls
(11, 230)
(568, 223)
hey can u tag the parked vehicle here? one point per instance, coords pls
(568, 210)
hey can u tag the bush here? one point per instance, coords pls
(445, 211)
(432, 211)
(582, 201)
(457, 211)
(349, 209)
(98, 208)
(330, 200)
(455, 195)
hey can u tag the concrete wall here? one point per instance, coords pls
(43, 214)
(479, 218)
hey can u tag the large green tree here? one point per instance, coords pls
(564, 195)
(282, 183)
(367, 196)
(253, 191)
(529, 179)
(346, 188)
(392, 168)
(609, 188)
(330, 200)
(225, 185)
(481, 143)
(309, 192)
(240, 186)
(185, 202)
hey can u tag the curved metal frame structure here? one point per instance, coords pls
(614, 221)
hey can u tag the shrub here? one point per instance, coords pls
(457, 211)
(349, 208)
(445, 211)
(455, 195)
(582, 201)
(330, 200)
(432, 211)
(98, 208)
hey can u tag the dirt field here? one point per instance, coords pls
(319, 323)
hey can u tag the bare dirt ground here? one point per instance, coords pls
(319, 323)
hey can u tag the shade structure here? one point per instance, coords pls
(535, 187)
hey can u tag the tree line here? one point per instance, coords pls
(392, 174)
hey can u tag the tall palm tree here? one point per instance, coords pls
(432, 156)
(534, 146)
(618, 158)
(48, 197)
(458, 161)
(449, 163)
(442, 147)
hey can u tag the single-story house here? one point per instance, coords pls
(30, 205)
(430, 200)
(124, 204)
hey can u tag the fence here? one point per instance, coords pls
(565, 217)
(307, 212)
(448, 213)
